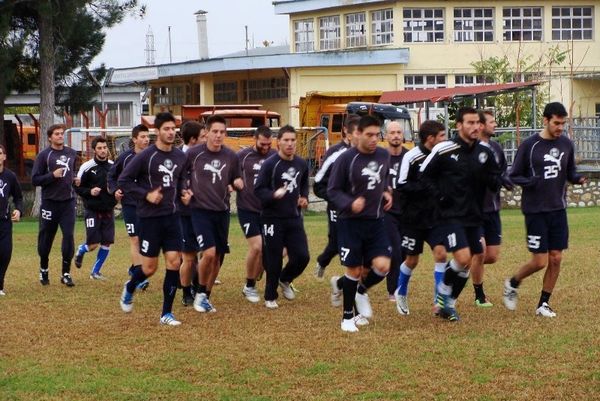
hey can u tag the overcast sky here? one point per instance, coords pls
(125, 43)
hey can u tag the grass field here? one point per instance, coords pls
(60, 343)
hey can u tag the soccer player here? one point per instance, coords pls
(249, 207)
(154, 179)
(99, 204)
(492, 226)
(190, 132)
(320, 189)
(395, 138)
(358, 188)
(543, 165)
(54, 171)
(459, 172)
(282, 187)
(9, 187)
(140, 138)
(418, 213)
(212, 169)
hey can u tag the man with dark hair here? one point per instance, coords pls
(358, 189)
(320, 189)
(249, 206)
(418, 214)
(543, 165)
(154, 179)
(492, 226)
(140, 139)
(99, 207)
(9, 187)
(282, 187)
(459, 171)
(213, 169)
(395, 138)
(54, 170)
(190, 132)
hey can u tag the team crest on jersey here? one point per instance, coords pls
(2, 187)
(554, 156)
(216, 169)
(258, 165)
(291, 179)
(395, 168)
(167, 168)
(483, 157)
(63, 162)
(373, 174)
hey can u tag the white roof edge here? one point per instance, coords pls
(286, 60)
(299, 6)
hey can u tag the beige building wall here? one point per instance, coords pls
(452, 58)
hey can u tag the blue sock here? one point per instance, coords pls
(100, 258)
(403, 279)
(438, 276)
(83, 248)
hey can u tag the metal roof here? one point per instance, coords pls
(300, 6)
(337, 58)
(452, 94)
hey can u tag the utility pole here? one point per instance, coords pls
(170, 54)
(246, 28)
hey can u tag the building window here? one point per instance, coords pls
(473, 24)
(356, 30)
(382, 27)
(329, 32)
(522, 24)
(266, 89)
(226, 91)
(471, 79)
(572, 23)
(304, 35)
(416, 82)
(423, 25)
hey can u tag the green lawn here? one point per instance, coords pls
(60, 343)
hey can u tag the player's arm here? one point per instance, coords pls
(84, 189)
(128, 180)
(113, 175)
(520, 173)
(572, 175)
(17, 197)
(236, 174)
(40, 176)
(336, 188)
(263, 189)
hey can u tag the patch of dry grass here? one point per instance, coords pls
(58, 343)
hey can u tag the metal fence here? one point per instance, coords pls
(585, 134)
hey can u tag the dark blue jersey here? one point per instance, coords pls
(491, 201)
(357, 174)
(322, 176)
(250, 162)
(210, 173)
(115, 172)
(395, 163)
(418, 200)
(459, 173)
(48, 160)
(150, 169)
(9, 186)
(543, 167)
(93, 173)
(276, 173)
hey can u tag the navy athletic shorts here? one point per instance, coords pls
(212, 229)
(189, 237)
(130, 218)
(492, 228)
(99, 227)
(547, 231)
(250, 223)
(457, 237)
(360, 241)
(162, 232)
(414, 238)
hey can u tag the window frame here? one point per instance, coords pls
(352, 39)
(418, 16)
(304, 39)
(562, 19)
(522, 20)
(378, 38)
(472, 20)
